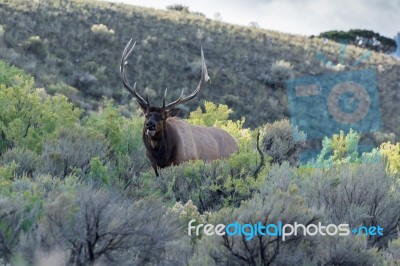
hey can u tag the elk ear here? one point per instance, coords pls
(143, 110)
(173, 112)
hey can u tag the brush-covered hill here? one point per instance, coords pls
(74, 48)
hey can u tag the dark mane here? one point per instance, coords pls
(163, 154)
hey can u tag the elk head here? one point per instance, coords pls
(156, 116)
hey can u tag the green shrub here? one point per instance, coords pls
(213, 185)
(102, 33)
(34, 192)
(14, 220)
(359, 194)
(7, 172)
(393, 252)
(114, 229)
(37, 46)
(71, 151)
(28, 117)
(282, 142)
(64, 89)
(124, 134)
(86, 82)
(341, 148)
(11, 76)
(392, 153)
(98, 172)
(279, 73)
(345, 251)
(213, 114)
(26, 160)
(187, 212)
(126, 158)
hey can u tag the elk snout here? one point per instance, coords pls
(151, 125)
(150, 128)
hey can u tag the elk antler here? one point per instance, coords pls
(203, 80)
(124, 61)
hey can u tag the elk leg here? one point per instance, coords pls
(156, 170)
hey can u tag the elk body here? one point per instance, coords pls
(170, 140)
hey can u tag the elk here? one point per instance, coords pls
(169, 140)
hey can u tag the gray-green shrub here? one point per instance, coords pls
(283, 142)
(26, 160)
(71, 151)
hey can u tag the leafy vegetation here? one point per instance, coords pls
(80, 191)
(76, 188)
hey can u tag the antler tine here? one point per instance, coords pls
(170, 105)
(147, 96)
(203, 80)
(124, 61)
(165, 95)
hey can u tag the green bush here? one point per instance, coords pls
(369, 194)
(64, 89)
(279, 73)
(71, 151)
(213, 185)
(102, 33)
(393, 252)
(92, 226)
(11, 76)
(26, 160)
(37, 46)
(28, 117)
(126, 158)
(14, 220)
(282, 142)
(343, 149)
(7, 173)
(392, 153)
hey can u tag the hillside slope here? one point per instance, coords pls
(74, 48)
